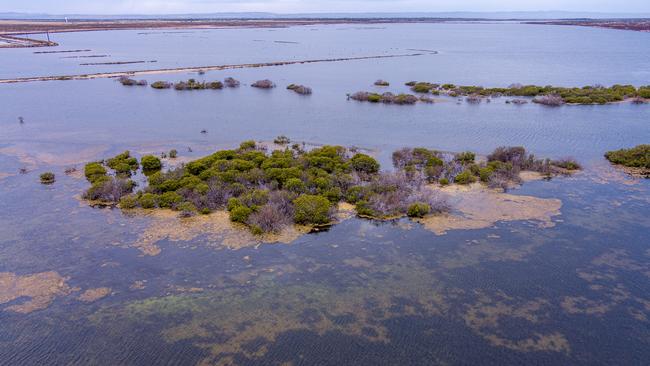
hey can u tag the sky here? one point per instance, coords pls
(314, 6)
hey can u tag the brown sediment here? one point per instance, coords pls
(218, 229)
(477, 207)
(196, 69)
(94, 294)
(41, 289)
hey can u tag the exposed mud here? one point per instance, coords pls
(477, 207)
(94, 294)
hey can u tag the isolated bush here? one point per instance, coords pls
(173, 154)
(47, 178)
(382, 83)
(150, 163)
(567, 163)
(282, 140)
(311, 209)
(418, 209)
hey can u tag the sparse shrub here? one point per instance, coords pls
(263, 84)
(173, 154)
(382, 83)
(418, 209)
(186, 209)
(231, 83)
(109, 189)
(567, 163)
(150, 163)
(270, 218)
(311, 209)
(443, 181)
(282, 140)
(47, 178)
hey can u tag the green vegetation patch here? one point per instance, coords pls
(636, 157)
(547, 95)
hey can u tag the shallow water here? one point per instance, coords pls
(363, 292)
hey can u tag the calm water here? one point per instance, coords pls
(364, 292)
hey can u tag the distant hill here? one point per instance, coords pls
(260, 15)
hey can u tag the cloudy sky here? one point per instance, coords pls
(300, 6)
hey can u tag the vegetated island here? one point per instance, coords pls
(635, 161)
(269, 191)
(545, 95)
(639, 25)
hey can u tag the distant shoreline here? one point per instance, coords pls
(194, 69)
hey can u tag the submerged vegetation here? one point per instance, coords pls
(546, 95)
(637, 158)
(268, 191)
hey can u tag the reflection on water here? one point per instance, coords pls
(75, 289)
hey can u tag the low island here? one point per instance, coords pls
(269, 190)
(635, 161)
